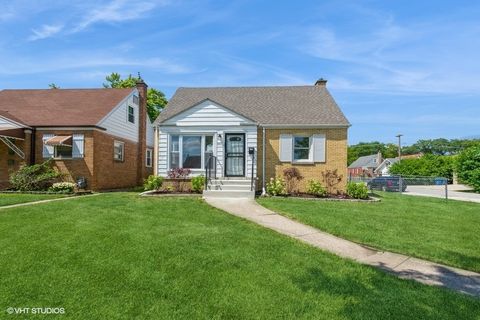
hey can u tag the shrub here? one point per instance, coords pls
(66, 187)
(468, 167)
(276, 187)
(198, 183)
(37, 177)
(315, 188)
(357, 190)
(179, 175)
(331, 178)
(153, 183)
(292, 176)
(429, 165)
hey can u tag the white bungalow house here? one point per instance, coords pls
(250, 132)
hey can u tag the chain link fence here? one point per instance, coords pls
(415, 185)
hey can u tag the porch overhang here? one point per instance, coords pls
(13, 133)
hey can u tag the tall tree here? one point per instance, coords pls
(156, 100)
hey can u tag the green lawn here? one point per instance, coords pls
(13, 198)
(120, 256)
(430, 228)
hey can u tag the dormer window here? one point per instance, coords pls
(131, 114)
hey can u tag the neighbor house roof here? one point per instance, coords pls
(60, 107)
(292, 105)
(365, 162)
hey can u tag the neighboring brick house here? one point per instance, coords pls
(365, 166)
(102, 135)
(297, 126)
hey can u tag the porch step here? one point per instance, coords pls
(226, 187)
(234, 182)
(228, 194)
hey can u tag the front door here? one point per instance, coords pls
(235, 154)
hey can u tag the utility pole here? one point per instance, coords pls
(399, 136)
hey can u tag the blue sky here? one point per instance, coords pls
(408, 67)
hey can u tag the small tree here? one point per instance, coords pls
(468, 167)
(292, 176)
(331, 179)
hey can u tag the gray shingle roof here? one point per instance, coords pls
(365, 162)
(292, 105)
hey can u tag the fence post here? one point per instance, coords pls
(446, 189)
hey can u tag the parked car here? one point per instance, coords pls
(387, 184)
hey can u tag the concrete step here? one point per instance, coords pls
(228, 194)
(230, 182)
(239, 187)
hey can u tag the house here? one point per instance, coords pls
(383, 168)
(101, 135)
(241, 133)
(365, 166)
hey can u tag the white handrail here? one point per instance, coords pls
(13, 147)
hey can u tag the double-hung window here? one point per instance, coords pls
(148, 158)
(301, 148)
(131, 114)
(190, 151)
(118, 151)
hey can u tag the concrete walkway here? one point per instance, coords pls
(403, 266)
(455, 192)
(46, 200)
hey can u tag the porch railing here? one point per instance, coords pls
(210, 169)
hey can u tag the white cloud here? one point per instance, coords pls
(45, 31)
(116, 11)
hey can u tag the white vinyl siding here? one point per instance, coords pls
(116, 122)
(149, 134)
(207, 113)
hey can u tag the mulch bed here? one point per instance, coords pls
(164, 193)
(330, 197)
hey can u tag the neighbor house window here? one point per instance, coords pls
(118, 151)
(148, 158)
(136, 100)
(131, 114)
(174, 152)
(301, 148)
(192, 152)
(63, 152)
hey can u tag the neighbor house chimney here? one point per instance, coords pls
(142, 139)
(379, 158)
(321, 82)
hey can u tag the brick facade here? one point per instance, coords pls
(336, 156)
(9, 162)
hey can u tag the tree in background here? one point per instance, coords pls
(53, 86)
(367, 148)
(468, 167)
(429, 165)
(156, 100)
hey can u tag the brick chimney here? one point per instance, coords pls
(142, 139)
(379, 158)
(321, 82)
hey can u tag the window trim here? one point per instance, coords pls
(128, 114)
(180, 148)
(149, 150)
(121, 143)
(310, 149)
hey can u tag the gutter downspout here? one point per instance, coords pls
(155, 150)
(264, 192)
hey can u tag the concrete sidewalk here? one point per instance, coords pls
(23, 204)
(403, 266)
(455, 192)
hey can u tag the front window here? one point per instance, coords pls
(62, 151)
(301, 148)
(174, 152)
(118, 151)
(192, 152)
(208, 149)
(148, 158)
(131, 114)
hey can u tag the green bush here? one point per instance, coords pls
(66, 187)
(357, 190)
(429, 165)
(153, 183)
(315, 188)
(468, 167)
(37, 177)
(276, 187)
(198, 183)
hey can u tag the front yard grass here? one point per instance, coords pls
(7, 199)
(120, 256)
(429, 228)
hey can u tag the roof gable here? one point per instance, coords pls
(292, 105)
(365, 161)
(61, 107)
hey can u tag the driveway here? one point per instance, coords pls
(455, 192)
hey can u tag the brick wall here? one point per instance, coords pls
(9, 162)
(336, 156)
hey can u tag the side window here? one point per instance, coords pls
(148, 158)
(301, 148)
(118, 151)
(131, 114)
